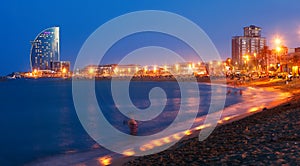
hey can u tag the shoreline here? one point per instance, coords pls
(94, 157)
(239, 133)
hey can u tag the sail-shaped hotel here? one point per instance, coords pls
(45, 49)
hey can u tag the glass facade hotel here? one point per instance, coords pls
(45, 49)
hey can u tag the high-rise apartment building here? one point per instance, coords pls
(45, 49)
(245, 49)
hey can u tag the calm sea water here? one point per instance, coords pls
(38, 118)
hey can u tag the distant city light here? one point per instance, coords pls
(278, 49)
(177, 67)
(91, 70)
(165, 67)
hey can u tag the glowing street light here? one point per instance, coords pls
(91, 70)
(193, 65)
(64, 70)
(116, 70)
(177, 67)
(246, 57)
(277, 41)
(278, 49)
(155, 68)
(255, 60)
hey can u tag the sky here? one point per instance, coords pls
(21, 21)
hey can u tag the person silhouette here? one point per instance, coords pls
(133, 126)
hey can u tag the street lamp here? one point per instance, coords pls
(277, 41)
(278, 49)
(246, 61)
(91, 70)
(255, 61)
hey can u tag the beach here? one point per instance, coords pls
(269, 137)
(265, 135)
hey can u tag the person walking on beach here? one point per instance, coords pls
(133, 126)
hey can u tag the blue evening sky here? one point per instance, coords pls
(22, 20)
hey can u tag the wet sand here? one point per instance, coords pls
(269, 137)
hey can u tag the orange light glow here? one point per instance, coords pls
(143, 148)
(157, 143)
(166, 140)
(106, 160)
(188, 132)
(116, 70)
(176, 137)
(177, 67)
(91, 70)
(64, 70)
(278, 49)
(277, 41)
(203, 126)
(128, 152)
(254, 109)
(227, 118)
(146, 147)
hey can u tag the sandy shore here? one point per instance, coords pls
(270, 137)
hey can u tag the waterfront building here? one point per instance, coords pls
(60, 66)
(290, 61)
(45, 49)
(246, 50)
(277, 59)
(98, 70)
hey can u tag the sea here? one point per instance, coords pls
(38, 118)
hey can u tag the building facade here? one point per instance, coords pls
(246, 49)
(45, 49)
(60, 66)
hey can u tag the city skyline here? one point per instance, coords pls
(77, 22)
